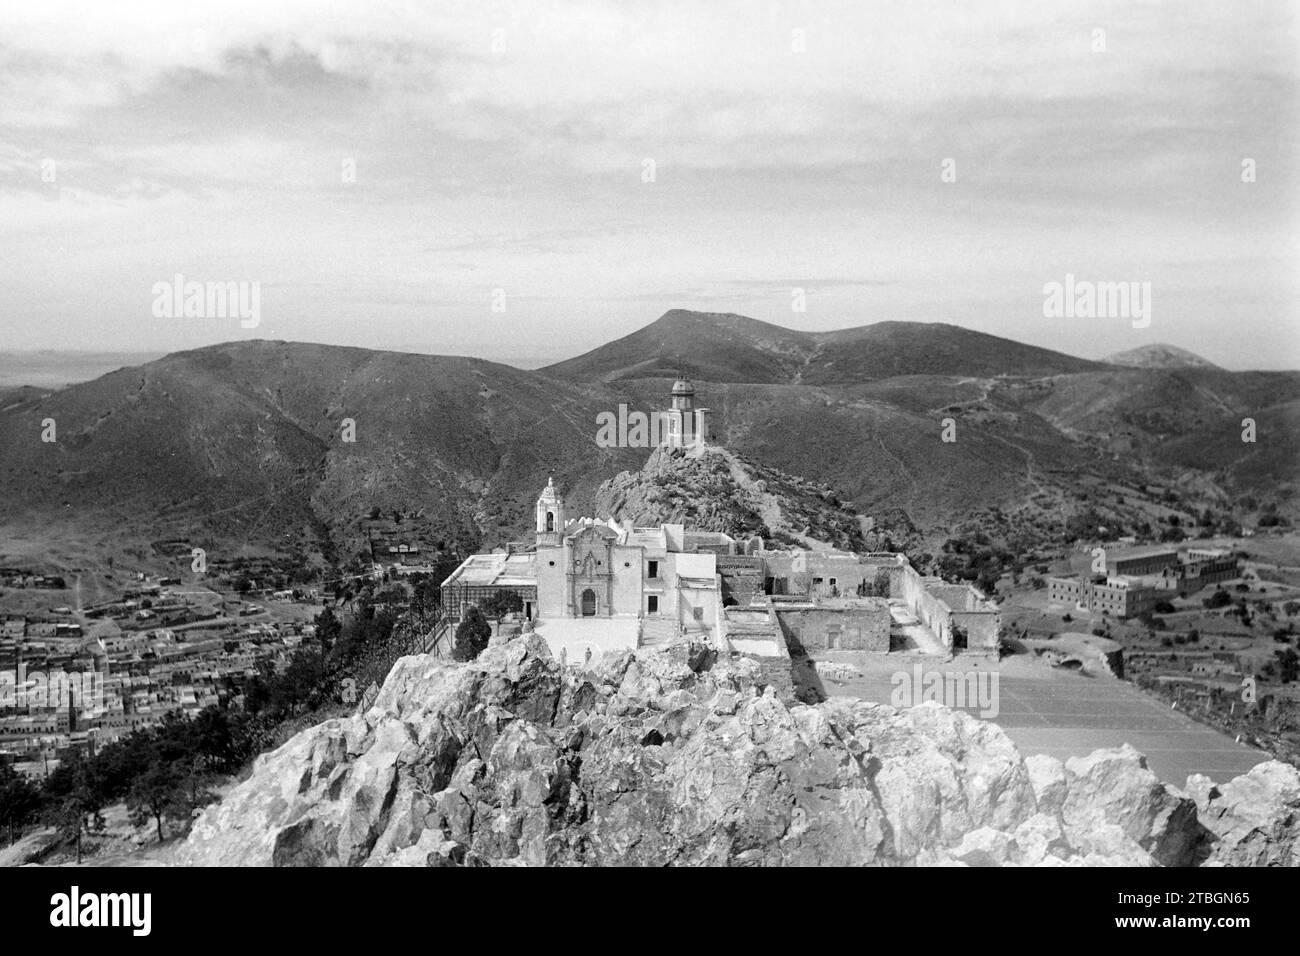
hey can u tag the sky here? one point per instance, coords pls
(525, 181)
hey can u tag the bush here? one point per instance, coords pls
(472, 635)
(1288, 665)
(1218, 599)
(1164, 607)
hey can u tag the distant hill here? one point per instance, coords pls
(717, 347)
(243, 442)
(1158, 355)
(240, 445)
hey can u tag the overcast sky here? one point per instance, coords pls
(504, 146)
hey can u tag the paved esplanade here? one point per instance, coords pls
(1067, 714)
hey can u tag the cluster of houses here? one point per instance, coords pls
(152, 653)
(25, 578)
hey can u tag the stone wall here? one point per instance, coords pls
(981, 629)
(861, 627)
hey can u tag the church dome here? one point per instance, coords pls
(683, 387)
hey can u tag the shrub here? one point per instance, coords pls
(1218, 599)
(472, 635)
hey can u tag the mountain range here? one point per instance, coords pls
(244, 445)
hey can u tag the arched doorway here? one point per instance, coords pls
(589, 603)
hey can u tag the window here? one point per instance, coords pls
(832, 582)
(652, 604)
(697, 613)
(652, 569)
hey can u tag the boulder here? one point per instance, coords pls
(1254, 819)
(1115, 788)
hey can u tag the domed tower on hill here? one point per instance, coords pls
(683, 425)
(550, 516)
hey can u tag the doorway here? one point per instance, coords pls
(589, 603)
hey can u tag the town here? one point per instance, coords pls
(77, 681)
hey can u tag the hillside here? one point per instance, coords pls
(244, 442)
(676, 757)
(716, 347)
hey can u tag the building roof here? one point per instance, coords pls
(495, 570)
(653, 539)
(1151, 552)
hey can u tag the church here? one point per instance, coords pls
(603, 569)
(659, 580)
(606, 584)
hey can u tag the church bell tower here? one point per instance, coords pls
(550, 516)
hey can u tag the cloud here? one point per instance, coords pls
(503, 145)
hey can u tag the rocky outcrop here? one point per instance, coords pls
(1252, 820)
(678, 757)
(715, 489)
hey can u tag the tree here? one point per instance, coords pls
(78, 800)
(328, 628)
(152, 794)
(19, 799)
(170, 789)
(301, 682)
(426, 598)
(194, 790)
(501, 603)
(472, 636)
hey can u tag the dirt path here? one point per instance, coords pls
(768, 505)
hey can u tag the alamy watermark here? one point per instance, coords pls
(82, 690)
(635, 429)
(179, 299)
(975, 689)
(1083, 299)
